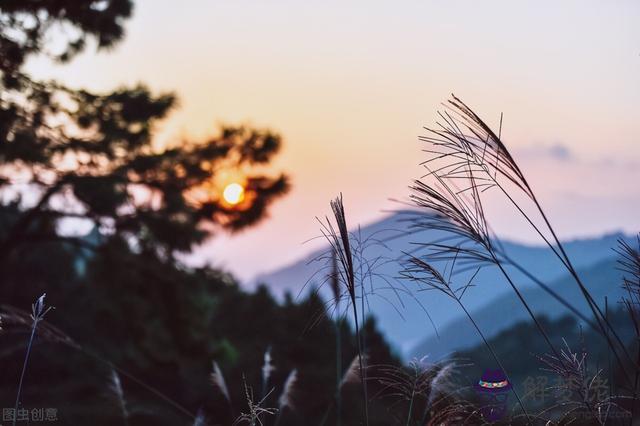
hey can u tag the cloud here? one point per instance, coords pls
(563, 154)
(556, 151)
(560, 152)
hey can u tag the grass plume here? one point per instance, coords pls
(218, 382)
(38, 312)
(341, 245)
(463, 148)
(115, 386)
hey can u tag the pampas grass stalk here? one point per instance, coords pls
(416, 384)
(286, 397)
(629, 265)
(474, 157)
(341, 244)
(335, 288)
(362, 340)
(351, 375)
(256, 410)
(115, 386)
(217, 379)
(267, 369)
(424, 273)
(465, 219)
(38, 311)
(434, 388)
(476, 154)
(218, 382)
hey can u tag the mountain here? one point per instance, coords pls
(407, 314)
(522, 356)
(602, 280)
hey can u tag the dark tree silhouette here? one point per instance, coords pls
(25, 24)
(90, 156)
(124, 301)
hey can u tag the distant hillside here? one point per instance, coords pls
(401, 311)
(520, 347)
(602, 279)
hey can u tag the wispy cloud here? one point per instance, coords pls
(556, 151)
(559, 152)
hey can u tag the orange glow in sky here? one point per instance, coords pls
(350, 85)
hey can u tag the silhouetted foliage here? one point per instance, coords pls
(131, 321)
(26, 24)
(91, 157)
(163, 325)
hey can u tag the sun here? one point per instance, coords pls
(233, 193)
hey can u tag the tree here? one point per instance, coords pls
(25, 25)
(71, 156)
(122, 296)
(90, 156)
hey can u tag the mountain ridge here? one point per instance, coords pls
(402, 318)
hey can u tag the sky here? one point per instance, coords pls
(350, 85)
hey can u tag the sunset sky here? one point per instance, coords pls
(349, 86)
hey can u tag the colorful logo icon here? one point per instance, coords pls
(493, 389)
